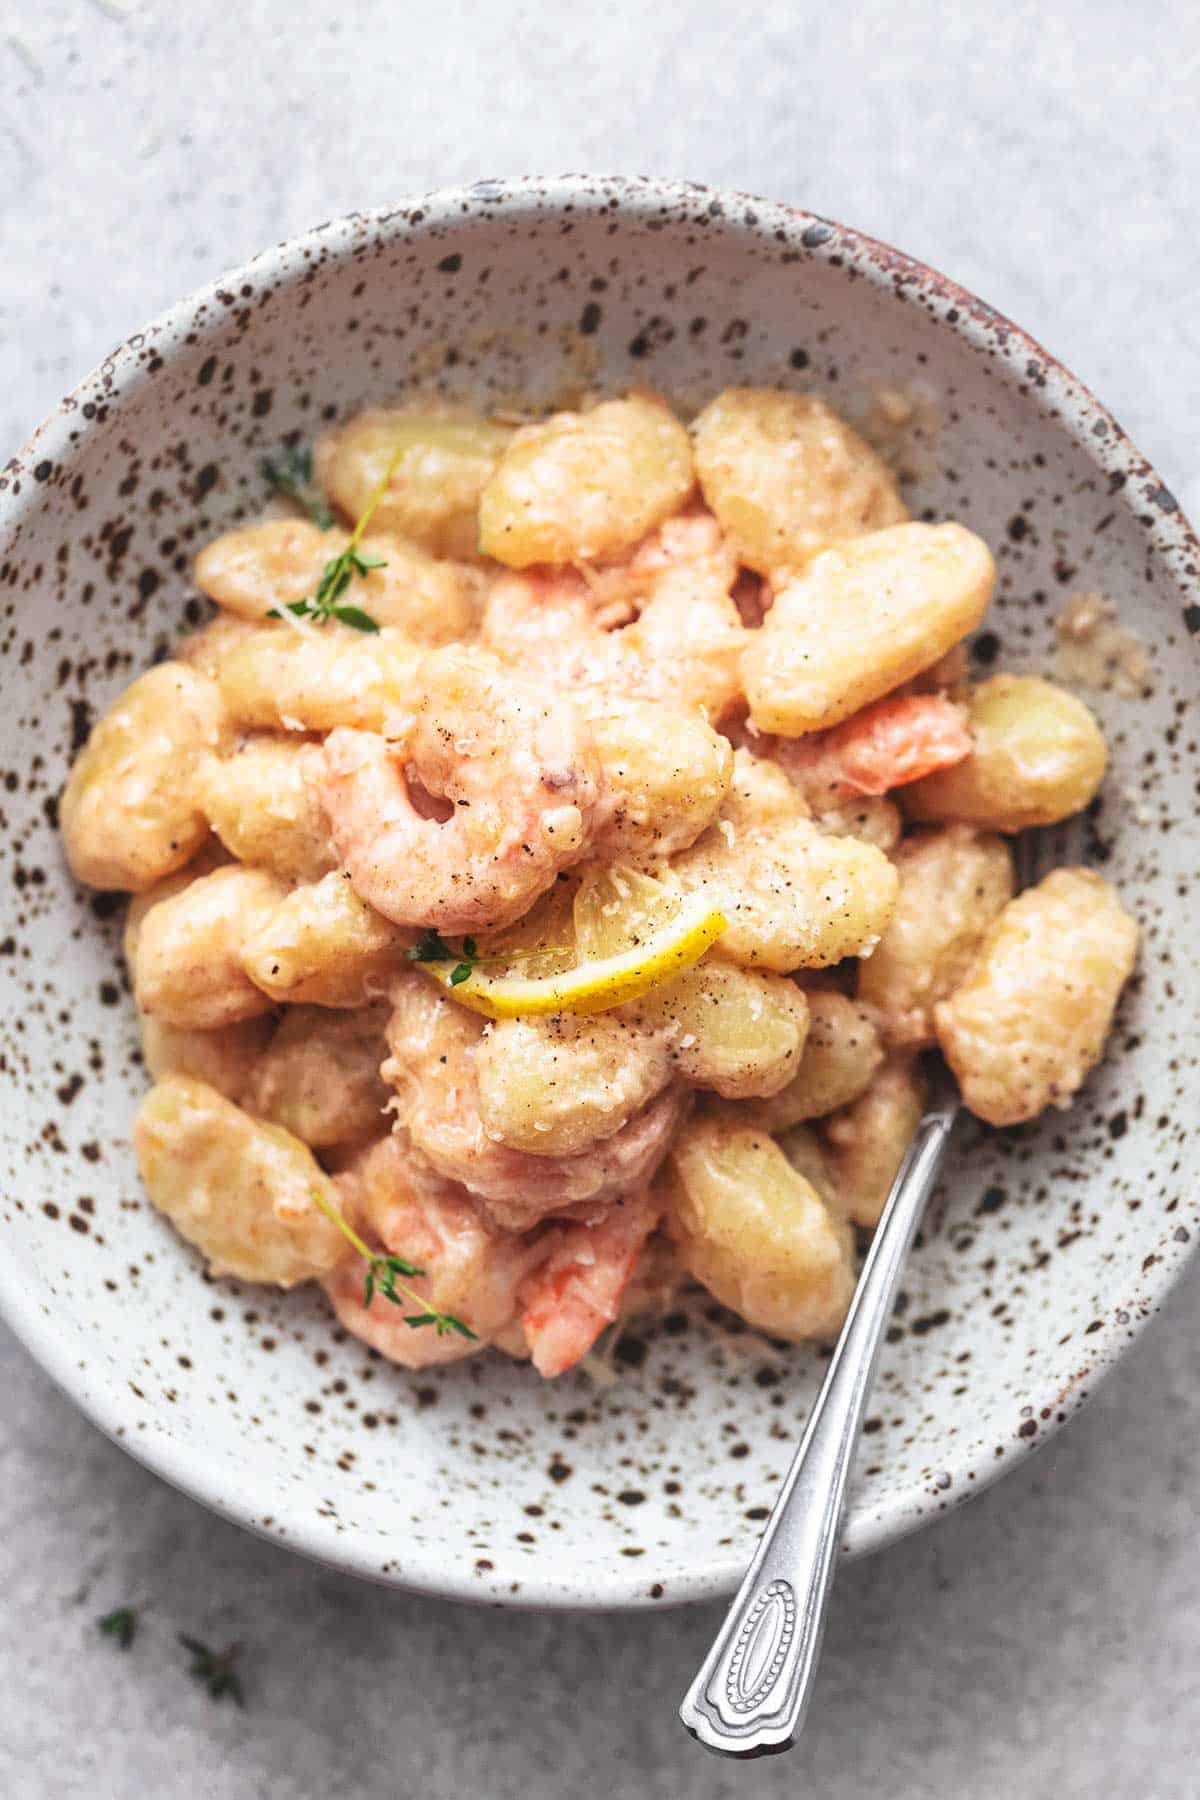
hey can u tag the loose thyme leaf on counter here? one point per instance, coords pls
(341, 570)
(291, 475)
(214, 1669)
(385, 1276)
(120, 1625)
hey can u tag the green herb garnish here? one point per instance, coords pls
(291, 474)
(120, 1625)
(215, 1670)
(430, 947)
(385, 1275)
(342, 569)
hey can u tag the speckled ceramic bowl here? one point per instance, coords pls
(1049, 1246)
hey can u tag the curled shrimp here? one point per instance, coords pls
(661, 625)
(578, 1289)
(885, 746)
(469, 1268)
(433, 1045)
(520, 779)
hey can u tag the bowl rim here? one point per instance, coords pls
(203, 313)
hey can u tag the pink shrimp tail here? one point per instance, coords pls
(569, 1301)
(897, 741)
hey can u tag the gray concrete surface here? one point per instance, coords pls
(1044, 1642)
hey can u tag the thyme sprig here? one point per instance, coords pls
(389, 1276)
(431, 947)
(214, 1669)
(345, 567)
(291, 474)
(120, 1625)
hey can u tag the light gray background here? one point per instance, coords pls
(1046, 1641)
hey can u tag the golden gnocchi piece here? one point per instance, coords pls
(555, 1086)
(320, 1077)
(448, 455)
(842, 1055)
(756, 1232)
(795, 897)
(187, 967)
(665, 773)
(872, 820)
(238, 1188)
(261, 568)
(953, 882)
(861, 619)
(205, 650)
(272, 564)
(285, 679)
(321, 945)
(223, 1058)
(1031, 1019)
(580, 487)
(787, 477)
(128, 813)
(264, 803)
(868, 1139)
(210, 856)
(1039, 756)
(735, 1031)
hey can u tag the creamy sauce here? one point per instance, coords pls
(1095, 651)
(904, 424)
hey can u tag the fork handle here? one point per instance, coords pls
(752, 1691)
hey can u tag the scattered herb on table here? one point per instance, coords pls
(342, 569)
(120, 1625)
(386, 1275)
(291, 474)
(430, 947)
(214, 1669)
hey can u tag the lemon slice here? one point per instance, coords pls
(597, 983)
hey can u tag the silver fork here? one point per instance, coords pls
(753, 1689)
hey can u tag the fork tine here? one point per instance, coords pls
(1045, 847)
(1027, 858)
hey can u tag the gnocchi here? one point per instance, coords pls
(861, 619)
(255, 572)
(795, 896)
(1029, 1021)
(842, 1054)
(238, 1188)
(320, 945)
(441, 459)
(137, 769)
(264, 803)
(187, 967)
(756, 1232)
(953, 882)
(283, 679)
(1038, 756)
(867, 1139)
(787, 477)
(319, 1077)
(582, 487)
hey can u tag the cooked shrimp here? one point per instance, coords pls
(686, 638)
(433, 1043)
(577, 1291)
(469, 1268)
(518, 770)
(884, 746)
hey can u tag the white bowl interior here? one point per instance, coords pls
(1049, 1245)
